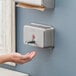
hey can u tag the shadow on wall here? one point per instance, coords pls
(60, 3)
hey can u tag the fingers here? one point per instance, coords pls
(27, 57)
(30, 55)
(33, 54)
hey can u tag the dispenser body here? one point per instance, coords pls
(39, 35)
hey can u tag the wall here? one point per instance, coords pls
(61, 61)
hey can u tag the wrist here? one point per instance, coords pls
(5, 58)
(8, 58)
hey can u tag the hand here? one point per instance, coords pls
(21, 59)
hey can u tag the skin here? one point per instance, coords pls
(17, 57)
